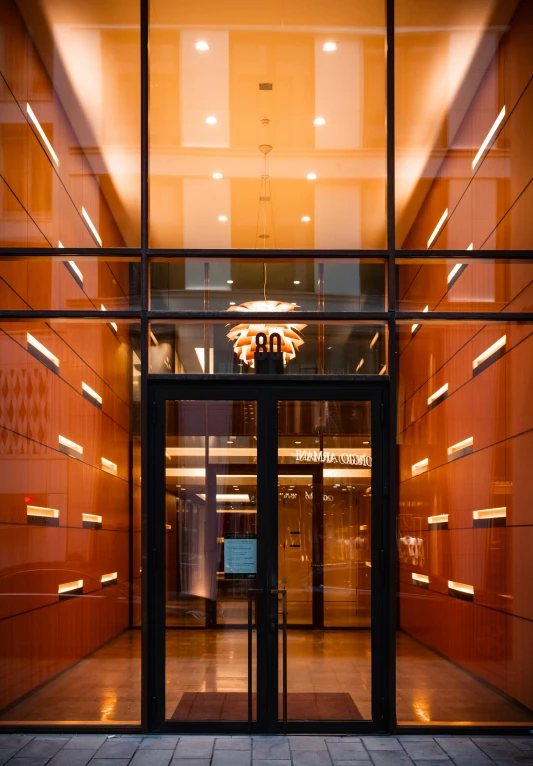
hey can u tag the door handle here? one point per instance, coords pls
(283, 592)
(252, 596)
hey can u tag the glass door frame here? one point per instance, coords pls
(267, 391)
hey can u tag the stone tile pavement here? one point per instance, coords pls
(154, 750)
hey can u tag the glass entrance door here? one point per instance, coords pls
(263, 515)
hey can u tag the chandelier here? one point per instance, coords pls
(244, 335)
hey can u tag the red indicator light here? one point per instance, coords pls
(29, 499)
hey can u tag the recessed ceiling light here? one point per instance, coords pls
(232, 303)
(319, 121)
(366, 442)
(211, 120)
(218, 175)
(329, 46)
(222, 218)
(296, 281)
(230, 281)
(297, 442)
(305, 219)
(201, 45)
(229, 442)
(311, 176)
(329, 348)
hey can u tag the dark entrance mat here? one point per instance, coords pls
(233, 706)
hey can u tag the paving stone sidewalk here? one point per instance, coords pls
(130, 750)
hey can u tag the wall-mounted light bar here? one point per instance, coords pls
(43, 517)
(41, 132)
(108, 466)
(420, 467)
(438, 522)
(91, 226)
(70, 589)
(438, 397)
(42, 354)
(374, 340)
(362, 527)
(168, 526)
(361, 363)
(461, 449)
(91, 395)
(70, 448)
(455, 273)
(368, 564)
(111, 325)
(460, 590)
(486, 142)
(109, 579)
(490, 517)
(91, 521)
(437, 228)
(488, 357)
(420, 580)
(74, 272)
(383, 370)
(416, 327)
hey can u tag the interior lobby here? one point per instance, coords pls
(342, 542)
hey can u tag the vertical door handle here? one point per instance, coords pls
(283, 591)
(252, 596)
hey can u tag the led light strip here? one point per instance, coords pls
(361, 363)
(91, 225)
(383, 370)
(91, 521)
(374, 340)
(37, 515)
(420, 580)
(69, 587)
(460, 449)
(42, 134)
(438, 397)
(108, 466)
(109, 579)
(74, 272)
(90, 394)
(69, 446)
(438, 522)
(112, 325)
(420, 467)
(485, 359)
(460, 590)
(490, 517)
(491, 132)
(42, 354)
(437, 228)
(416, 327)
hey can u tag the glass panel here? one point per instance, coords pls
(190, 284)
(311, 348)
(66, 592)
(70, 125)
(267, 125)
(463, 163)
(324, 560)
(465, 526)
(211, 558)
(465, 285)
(74, 283)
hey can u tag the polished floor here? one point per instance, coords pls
(105, 687)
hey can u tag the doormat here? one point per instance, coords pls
(233, 706)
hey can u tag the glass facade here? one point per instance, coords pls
(265, 367)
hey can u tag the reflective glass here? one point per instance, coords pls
(267, 125)
(465, 525)
(464, 163)
(306, 349)
(70, 124)
(67, 595)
